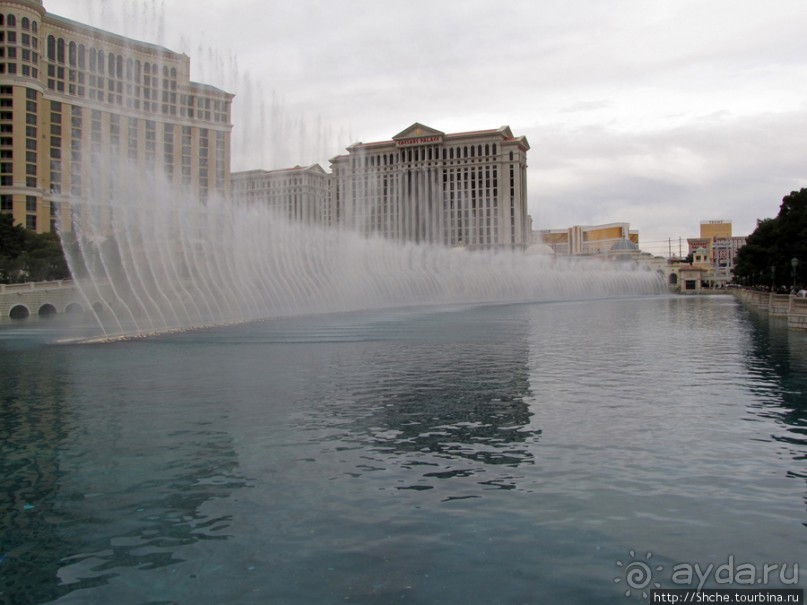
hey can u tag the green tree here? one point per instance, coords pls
(774, 243)
(28, 256)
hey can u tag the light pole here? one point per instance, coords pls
(794, 262)
(773, 278)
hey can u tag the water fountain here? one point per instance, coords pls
(150, 261)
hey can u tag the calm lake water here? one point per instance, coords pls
(502, 454)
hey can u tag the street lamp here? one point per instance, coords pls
(773, 278)
(794, 262)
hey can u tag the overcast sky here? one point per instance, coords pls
(657, 113)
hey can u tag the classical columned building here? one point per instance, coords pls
(77, 103)
(299, 194)
(463, 189)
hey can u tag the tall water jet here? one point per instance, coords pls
(150, 260)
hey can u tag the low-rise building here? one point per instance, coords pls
(586, 240)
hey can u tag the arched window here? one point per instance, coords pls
(2, 19)
(129, 69)
(93, 65)
(174, 73)
(26, 24)
(487, 149)
(81, 56)
(71, 54)
(11, 21)
(51, 48)
(60, 50)
(137, 71)
(111, 70)
(494, 148)
(119, 67)
(479, 151)
(465, 152)
(101, 58)
(34, 26)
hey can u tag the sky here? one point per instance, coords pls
(658, 113)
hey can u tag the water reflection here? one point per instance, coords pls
(94, 478)
(447, 400)
(32, 426)
(424, 456)
(777, 367)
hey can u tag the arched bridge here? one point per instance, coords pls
(43, 299)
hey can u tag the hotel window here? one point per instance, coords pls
(75, 146)
(186, 155)
(30, 222)
(114, 133)
(132, 139)
(95, 132)
(168, 149)
(220, 160)
(151, 141)
(203, 162)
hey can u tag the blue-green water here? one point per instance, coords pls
(502, 454)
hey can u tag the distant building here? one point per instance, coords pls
(714, 252)
(464, 189)
(585, 240)
(298, 194)
(72, 95)
(690, 279)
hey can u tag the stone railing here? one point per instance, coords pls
(777, 305)
(797, 314)
(38, 285)
(20, 301)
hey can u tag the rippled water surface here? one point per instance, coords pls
(501, 454)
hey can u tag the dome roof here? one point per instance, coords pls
(624, 245)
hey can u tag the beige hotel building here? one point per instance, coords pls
(298, 194)
(72, 95)
(466, 189)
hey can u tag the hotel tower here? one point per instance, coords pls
(465, 189)
(71, 94)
